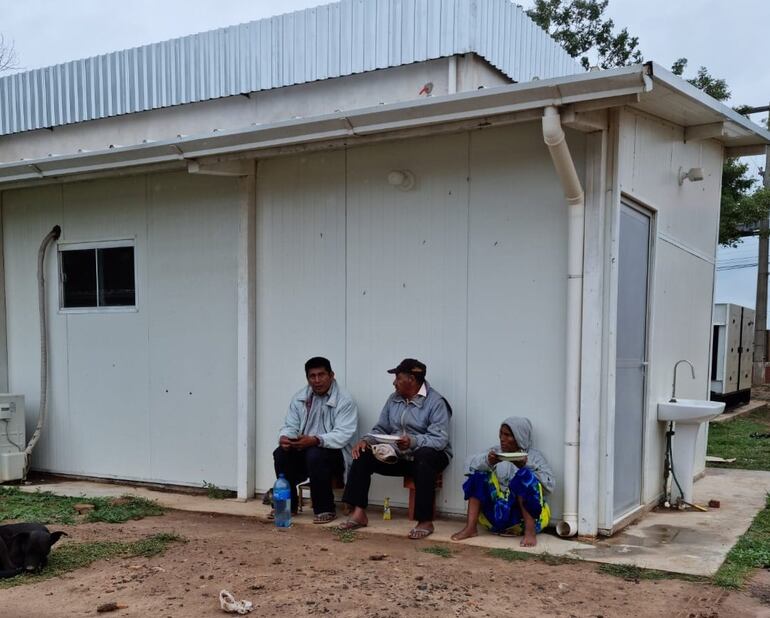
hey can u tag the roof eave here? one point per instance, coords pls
(740, 132)
(607, 88)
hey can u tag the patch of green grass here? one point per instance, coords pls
(71, 556)
(631, 572)
(44, 507)
(511, 555)
(752, 551)
(343, 536)
(438, 550)
(634, 573)
(215, 492)
(734, 439)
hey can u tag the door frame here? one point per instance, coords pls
(608, 523)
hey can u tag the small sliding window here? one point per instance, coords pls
(98, 275)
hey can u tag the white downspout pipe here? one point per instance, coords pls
(554, 138)
(452, 77)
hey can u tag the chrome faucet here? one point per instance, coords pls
(673, 388)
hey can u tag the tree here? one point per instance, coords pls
(8, 58)
(712, 86)
(741, 208)
(580, 27)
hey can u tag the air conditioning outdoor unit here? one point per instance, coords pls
(732, 352)
(12, 437)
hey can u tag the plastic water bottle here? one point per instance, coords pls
(282, 502)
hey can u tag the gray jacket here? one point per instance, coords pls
(522, 430)
(339, 418)
(425, 419)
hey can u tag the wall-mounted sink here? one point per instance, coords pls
(689, 410)
(689, 415)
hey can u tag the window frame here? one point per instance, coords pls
(98, 244)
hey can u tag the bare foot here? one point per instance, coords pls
(529, 540)
(465, 533)
(359, 516)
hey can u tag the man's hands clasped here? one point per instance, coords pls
(300, 444)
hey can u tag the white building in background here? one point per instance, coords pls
(238, 180)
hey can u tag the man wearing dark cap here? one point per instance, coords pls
(418, 416)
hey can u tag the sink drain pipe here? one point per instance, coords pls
(51, 237)
(554, 138)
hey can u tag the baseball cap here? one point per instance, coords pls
(411, 366)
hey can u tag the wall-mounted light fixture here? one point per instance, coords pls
(401, 179)
(694, 174)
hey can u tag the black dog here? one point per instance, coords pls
(25, 547)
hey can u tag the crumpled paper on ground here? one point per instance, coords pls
(228, 604)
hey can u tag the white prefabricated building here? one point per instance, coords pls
(245, 179)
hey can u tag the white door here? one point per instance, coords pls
(630, 375)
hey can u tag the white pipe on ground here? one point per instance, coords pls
(554, 138)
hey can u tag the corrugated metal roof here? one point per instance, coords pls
(344, 38)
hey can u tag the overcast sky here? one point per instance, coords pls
(730, 37)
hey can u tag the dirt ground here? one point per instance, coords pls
(306, 571)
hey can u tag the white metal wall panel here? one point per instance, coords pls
(407, 281)
(442, 272)
(517, 266)
(127, 389)
(342, 38)
(192, 302)
(653, 151)
(107, 353)
(300, 284)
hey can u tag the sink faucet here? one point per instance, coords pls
(673, 388)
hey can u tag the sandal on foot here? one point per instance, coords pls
(419, 533)
(350, 524)
(324, 518)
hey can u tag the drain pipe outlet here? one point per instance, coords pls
(49, 239)
(554, 138)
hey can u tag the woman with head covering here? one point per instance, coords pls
(509, 498)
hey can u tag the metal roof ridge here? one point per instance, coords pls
(332, 40)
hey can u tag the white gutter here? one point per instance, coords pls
(554, 138)
(590, 89)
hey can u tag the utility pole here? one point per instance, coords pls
(760, 319)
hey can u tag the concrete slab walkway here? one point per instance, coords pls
(688, 542)
(755, 405)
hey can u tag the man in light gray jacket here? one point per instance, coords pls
(316, 438)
